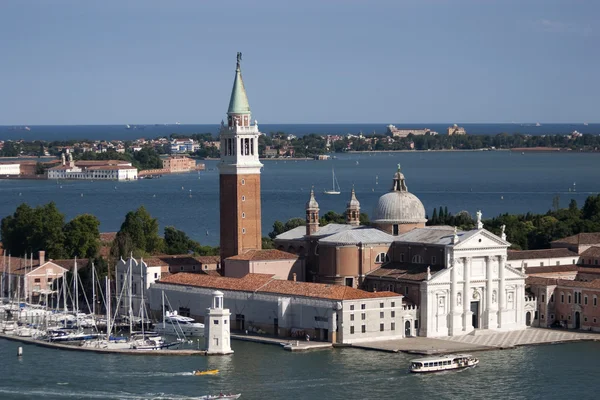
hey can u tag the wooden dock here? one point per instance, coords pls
(59, 346)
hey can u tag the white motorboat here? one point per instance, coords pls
(174, 324)
(221, 396)
(443, 363)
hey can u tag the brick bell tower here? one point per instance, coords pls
(239, 175)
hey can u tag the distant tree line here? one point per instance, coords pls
(532, 231)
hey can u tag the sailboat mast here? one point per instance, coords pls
(75, 283)
(64, 289)
(163, 309)
(108, 305)
(9, 280)
(3, 274)
(142, 308)
(130, 270)
(93, 292)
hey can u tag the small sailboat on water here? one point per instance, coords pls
(335, 187)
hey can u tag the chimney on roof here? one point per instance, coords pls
(294, 277)
(42, 257)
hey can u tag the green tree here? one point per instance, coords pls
(82, 236)
(434, 218)
(34, 229)
(177, 242)
(138, 234)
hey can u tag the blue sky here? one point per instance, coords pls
(327, 61)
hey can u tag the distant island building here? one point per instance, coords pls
(117, 170)
(180, 163)
(456, 130)
(184, 146)
(396, 132)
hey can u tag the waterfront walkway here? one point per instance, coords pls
(479, 341)
(287, 344)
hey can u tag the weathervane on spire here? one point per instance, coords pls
(239, 59)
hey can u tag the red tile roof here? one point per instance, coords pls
(265, 283)
(551, 268)
(593, 252)
(107, 237)
(402, 271)
(264, 255)
(544, 253)
(581, 238)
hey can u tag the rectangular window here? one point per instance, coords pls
(363, 329)
(393, 326)
(543, 298)
(49, 280)
(595, 301)
(363, 316)
(381, 314)
(541, 264)
(542, 316)
(351, 317)
(156, 275)
(558, 263)
(224, 322)
(381, 328)
(350, 282)
(352, 330)
(551, 298)
(362, 306)
(569, 299)
(393, 304)
(393, 314)
(216, 322)
(380, 305)
(416, 324)
(352, 307)
(562, 298)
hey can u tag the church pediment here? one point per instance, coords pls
(480, 239)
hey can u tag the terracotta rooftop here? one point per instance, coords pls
(107, 237)
(544, 253)
(265, 283)
(551, 268)
(264, 255)
(536, 280)
(410, 272)
(593, 251)
(581, 238)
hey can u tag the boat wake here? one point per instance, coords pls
(45, 393)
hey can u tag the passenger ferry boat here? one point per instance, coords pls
(443, 363)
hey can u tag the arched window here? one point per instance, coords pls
(382, 258)
(417, 259)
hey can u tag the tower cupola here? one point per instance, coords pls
(312, 214)
(353, 210)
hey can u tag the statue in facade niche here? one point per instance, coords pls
(459, 299)
(494, 296)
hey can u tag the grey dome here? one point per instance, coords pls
(399, 208)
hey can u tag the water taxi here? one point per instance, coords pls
(443, 363)
(206, 372)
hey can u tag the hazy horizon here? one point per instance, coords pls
(68, 62)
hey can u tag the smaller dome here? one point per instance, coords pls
(312, 203)
(353, 203)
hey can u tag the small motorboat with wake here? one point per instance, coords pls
(221, 396)
(206, 372)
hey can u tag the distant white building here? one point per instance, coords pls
(183, 146)
(97, 170)
(10, 169)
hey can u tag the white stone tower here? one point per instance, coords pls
(216, 327)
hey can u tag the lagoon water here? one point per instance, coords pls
(268, 372)
(493, 181)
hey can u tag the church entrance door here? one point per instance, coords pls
(475, 311)
(577, 320)
(407, 329)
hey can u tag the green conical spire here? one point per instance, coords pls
(238, 104)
